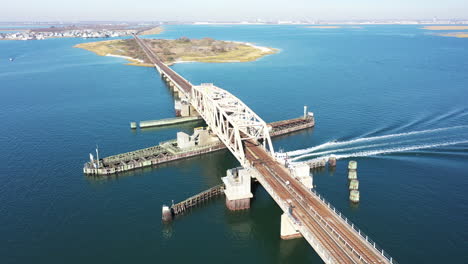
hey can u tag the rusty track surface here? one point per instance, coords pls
(337, 237)
(179, 81)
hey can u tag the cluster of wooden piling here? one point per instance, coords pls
(313, 164)
(320, 163)
(353, 182)
(195, 200)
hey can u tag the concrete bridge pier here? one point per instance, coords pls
(178, 107)
(174, 90)
(237, 189)
(183, 108)
(289, 230)
(301, 172)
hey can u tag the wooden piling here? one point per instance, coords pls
(195, 200)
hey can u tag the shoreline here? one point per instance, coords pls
(453, 35)
(153, 31)
(457, 27)
(131, 61)
(261, 48)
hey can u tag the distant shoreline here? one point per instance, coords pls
(454, 34)
(96, 31)
(446, 27)
(449, 28)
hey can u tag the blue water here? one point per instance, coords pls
(57, 102)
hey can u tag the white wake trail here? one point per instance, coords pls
(366, 139)
(335, 151)
(392, 150)
(339, 150)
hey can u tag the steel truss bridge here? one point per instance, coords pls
(246, 135)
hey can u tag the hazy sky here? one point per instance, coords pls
(67, 10)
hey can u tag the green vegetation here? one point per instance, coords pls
(179, 50)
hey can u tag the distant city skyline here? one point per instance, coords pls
(230, 10)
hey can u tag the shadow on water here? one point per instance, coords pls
(354, 206)
(318, 170)
(167, 229)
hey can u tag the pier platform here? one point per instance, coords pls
(185, 146)
(169, 121)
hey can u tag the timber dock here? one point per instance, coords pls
(195, 200)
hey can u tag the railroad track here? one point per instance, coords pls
(339, 239)
(179, 80)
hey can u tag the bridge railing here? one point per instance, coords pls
(328, 228)
(353, 226)
(323, 253)
(306, 233)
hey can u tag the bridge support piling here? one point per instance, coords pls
(192, 111)
(237, 189)
(184, 109)
(302, 173)
(177, 107)
(288, 229)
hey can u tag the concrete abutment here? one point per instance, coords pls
(289, 230)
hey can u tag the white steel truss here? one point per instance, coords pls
(230, 119)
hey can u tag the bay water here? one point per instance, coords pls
(57, 102)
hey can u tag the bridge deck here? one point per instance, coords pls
(341, 241)
(185, 85)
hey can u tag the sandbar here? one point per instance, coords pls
(324, 27)
(445, 27)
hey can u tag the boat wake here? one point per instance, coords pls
(385, 144)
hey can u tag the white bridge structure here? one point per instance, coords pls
(306, 213)
(230, 119)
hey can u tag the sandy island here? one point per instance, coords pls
(445, 27)
(152, 31)
(179, 50)
(449, 34)
(454, 34)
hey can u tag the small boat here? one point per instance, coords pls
(12, 59)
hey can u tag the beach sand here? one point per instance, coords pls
(445, 27)
(454, 34)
